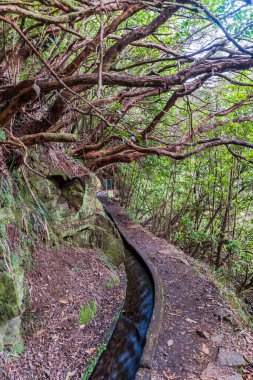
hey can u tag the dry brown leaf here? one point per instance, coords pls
(168, 375)
(203, 334)
(39, 332)
(205, 349)
(63, 301)
(90, 350)
(190, 320)
(70, 374)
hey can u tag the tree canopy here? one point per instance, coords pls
(121, 80)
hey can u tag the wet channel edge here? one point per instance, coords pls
(105, 340)
(114, 210)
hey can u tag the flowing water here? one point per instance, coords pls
(121, 359)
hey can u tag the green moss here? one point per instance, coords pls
(102, 346)
(87, 313)
(8, 298)
(94, 360)
(11, 294)
(114, 250)
(112, 281)
(73, 215)
(18, 349)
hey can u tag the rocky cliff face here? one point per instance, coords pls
(55, 205)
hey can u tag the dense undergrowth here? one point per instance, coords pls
(22, 223)
(204, 205)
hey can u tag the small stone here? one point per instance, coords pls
(236, 376)
(213, 372)
(170, 343)
(10, 334)
(230, 358)
(217, 338)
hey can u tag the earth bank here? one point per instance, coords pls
(75, 297)
(52, 207)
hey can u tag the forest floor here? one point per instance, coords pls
(57, 345)
(201, 337)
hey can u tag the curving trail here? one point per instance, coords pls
(186, 312)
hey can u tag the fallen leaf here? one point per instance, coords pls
(90, 350)
(165, 251)
(203, 334)
(168, 375)
(63, 301)
(70, 374)
(190, 320)
(39, 332)
(205, 349)
(184, 261)
(248, 339)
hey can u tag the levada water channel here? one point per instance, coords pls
(121, 359)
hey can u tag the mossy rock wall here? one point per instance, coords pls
(11, 294)
(76, 215)
(11, 297)
(66, 199)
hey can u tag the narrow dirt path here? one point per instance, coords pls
(200, 338)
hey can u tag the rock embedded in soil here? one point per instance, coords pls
(213, 372)
(234, 377)
(223, 314)
(11, 296)
(230, 358)
(69, 197)
(10, 334)
(217, 338)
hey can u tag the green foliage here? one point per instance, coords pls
(113, 280)
(185, 202)
(102, 346)
(108, 261)
(230, 295)
(24, 255)
(2, 135)
(9, 306)
(18, 349)
(93, 361)
(87, 313)
(6, 197)
(19, 211)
